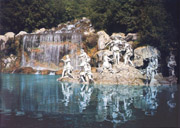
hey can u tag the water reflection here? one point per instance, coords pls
(171, 102)
(114, 105)
(85, 96)
(40, 96)
(150, 100)
(67, 92)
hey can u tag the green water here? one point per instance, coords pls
(39, 101)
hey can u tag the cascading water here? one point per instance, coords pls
(44, 51)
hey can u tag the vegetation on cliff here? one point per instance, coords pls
(156, 21)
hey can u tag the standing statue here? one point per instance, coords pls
(128, 54)
(171, 64)
(116, 52)
(115, 48)
(67, 70)
(106, 63)
(152, 67)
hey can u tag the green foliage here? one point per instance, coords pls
(156, 27)
(156, 21)
(116, 15)
(29, 15)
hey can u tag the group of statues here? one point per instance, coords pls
(85, 74)
(152, 67)
(118, 47)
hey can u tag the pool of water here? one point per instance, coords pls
(39, 101)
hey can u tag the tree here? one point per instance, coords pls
(156, 27)
(28, 15)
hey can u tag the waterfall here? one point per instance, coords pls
(44, 51)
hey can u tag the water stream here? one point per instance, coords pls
(46, 50)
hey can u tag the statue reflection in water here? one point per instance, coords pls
(171, 102)
(150, 98)
(104, 100)
(85, 96)
(113, 106)
(67, 92)
(121, 109)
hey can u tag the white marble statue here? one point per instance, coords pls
(67, 70)
(171, 64)
(86, 74)
(116, 52)
(152, 67)
(106, 63)
(128, 54)
(115, 48)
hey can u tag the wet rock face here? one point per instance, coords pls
(59, 72)
(3, 41)
(143, 53)
(103, 39)
(122, 35)
(98, 56)
(131, 37)
(10, 35)
(91, 40)
(50, 45)
(83, 26)
(123, 75)
(45, 72)
(25, 70)
(21, 33)
(8, 64)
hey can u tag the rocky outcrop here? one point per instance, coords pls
(160, 80)
(39, 31)
(45, 72)
(25, 70)
(91, 40)
(59, 72)
(9, 61)
(83, 26)
(10, 35)
(122, 35)
(123, 75)
(3, 41)
(97, 58)
(44, 48)
(131, 37)
(143, 53)
(103, 39)
(21, 33)
(3, 38)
